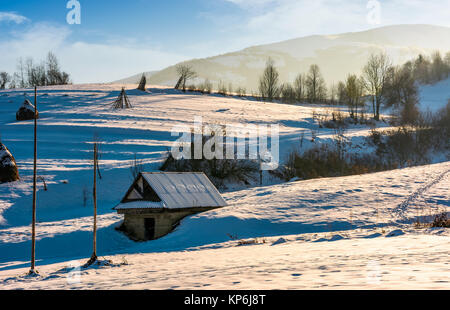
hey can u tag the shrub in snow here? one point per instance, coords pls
(441, 220)
(26, 111)
(395, 233)
(8, 167)
(220, 171)
(279, 241)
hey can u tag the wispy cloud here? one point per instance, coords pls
(12, 17)
(86, 62)
(270, 20)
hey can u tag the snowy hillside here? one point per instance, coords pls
(435, 97)
(340, 226)
(353, 234)
(135, 78)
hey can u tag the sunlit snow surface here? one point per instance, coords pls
(434, 97)
(335, 230)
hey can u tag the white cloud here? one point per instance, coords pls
(12, 17)
(34, 42)
(105, 63)
(86, 62)
(276, 20)
(262, 21)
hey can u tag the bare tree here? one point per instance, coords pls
(136, 167)
(21, 74)
(316, 88)
(438, 68)
(185, 73)
(333, 93)
(300, 87)
(421, 69)
(341, 92)
(447, 60)
(353, 94)
(30, 72)
(402, 93)
(269, 88)
(288, 93)
(15, 81)
(4, 79)
(374, 76)
(53, 72)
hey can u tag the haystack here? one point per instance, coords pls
(142, 83)
(8, 166)
(26, 111)
(122, 102)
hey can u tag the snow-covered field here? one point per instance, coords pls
(435, 97)
(348, 232)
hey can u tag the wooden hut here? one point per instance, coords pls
(156, 202)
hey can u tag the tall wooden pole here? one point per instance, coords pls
(94, 254)
(33, 227)
(93, 258)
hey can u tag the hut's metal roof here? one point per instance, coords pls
(179, 190)
(140, 204)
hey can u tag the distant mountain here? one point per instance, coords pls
(337, 55)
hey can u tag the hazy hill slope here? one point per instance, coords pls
(135, 78)
(337, 55)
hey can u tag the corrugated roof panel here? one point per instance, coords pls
(184, 190)
(210, 189)
(140, 204)
(179, 192)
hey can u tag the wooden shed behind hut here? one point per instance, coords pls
(156, 202)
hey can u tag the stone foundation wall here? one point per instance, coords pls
(165, 222)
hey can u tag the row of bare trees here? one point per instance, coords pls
(30, 74)
(397, 86)
(310, 86)
(432, 69)
(381, 83)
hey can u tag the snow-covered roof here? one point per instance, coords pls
(27, 105)
(178, 191)
(6, 159)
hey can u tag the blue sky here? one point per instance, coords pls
(121, 38)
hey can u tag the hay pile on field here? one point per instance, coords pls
(26, 111)
(8, 166)
(122, 102)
